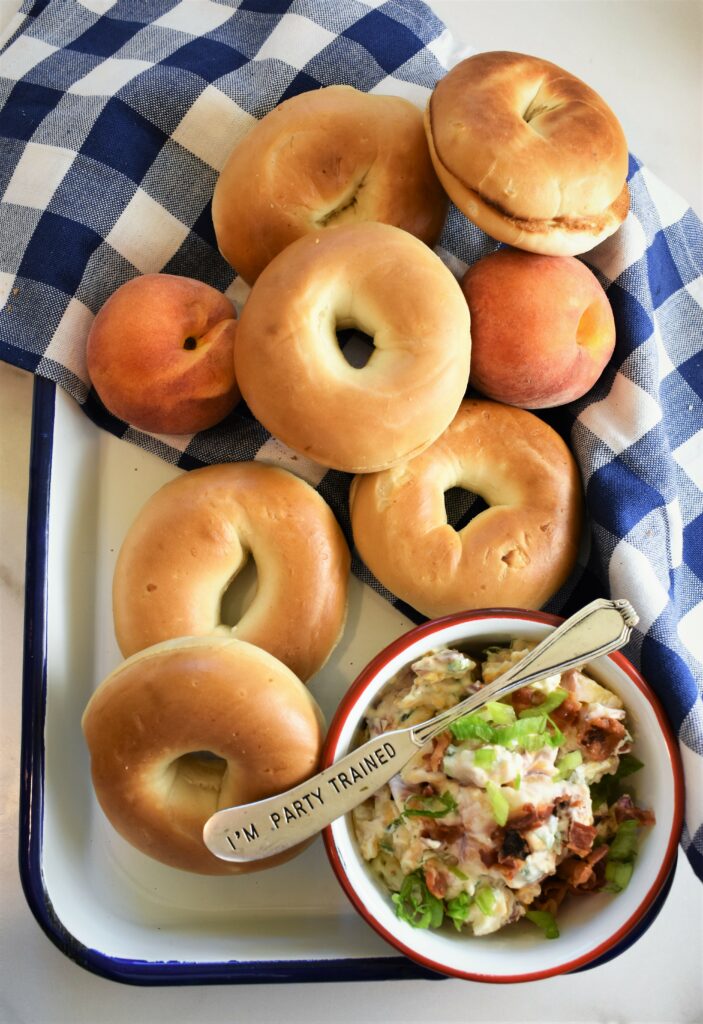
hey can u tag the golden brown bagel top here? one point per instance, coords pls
(531, 139)
(193, 536)
(516, 553)
(324, 158)
(155, 713)
(294, 377)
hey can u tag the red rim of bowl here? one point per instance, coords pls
(361, 683)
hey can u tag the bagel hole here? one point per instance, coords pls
(190, 343)
(356, 347)
(461, 506)
(199, 768)
(239, 594)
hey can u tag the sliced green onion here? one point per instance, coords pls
(509, 734)
(567, 764)
(416, 904)
(628, 766)
(618, 874)
(517, 781)
(485, 899)
(456, 872)
(484, 757)
(446, 802)
(458, 908)
(472, 727)
(500, 714)
(624, 845)
(551, 701)
(545, 921)
(499, 804)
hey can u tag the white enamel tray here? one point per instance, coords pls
(107, 906)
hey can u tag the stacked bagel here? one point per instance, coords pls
(328, 209)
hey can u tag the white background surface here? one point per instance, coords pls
(645, 57)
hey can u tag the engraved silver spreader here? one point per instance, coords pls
(267, 827)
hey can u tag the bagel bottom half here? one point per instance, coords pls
(154, 724)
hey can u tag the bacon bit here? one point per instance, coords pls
(513, 845)
(529, 816)
(581, 838)
(526, 697)
(438, 751)
(509, 865)
(600, 737)
(441, 831)
(625, 810)
(567, 713)
(489, 858)
(577, 873)
(552, 895)
(436, 880)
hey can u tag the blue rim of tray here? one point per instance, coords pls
(143, 972)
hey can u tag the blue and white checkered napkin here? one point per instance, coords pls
(116, 118)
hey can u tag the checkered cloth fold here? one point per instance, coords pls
(116, 117)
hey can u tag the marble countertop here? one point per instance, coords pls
(645, 56)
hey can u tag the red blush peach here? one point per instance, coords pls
(161, 354)
(542, 329)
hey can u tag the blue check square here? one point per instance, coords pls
(206, 58)
(388, 42)
(107, 140)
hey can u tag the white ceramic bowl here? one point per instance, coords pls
(590, 926)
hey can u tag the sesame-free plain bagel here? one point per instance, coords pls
(151, 721)
(293, 374)
(194, 535)
(529, 153)
(516, 553)
(324, 158)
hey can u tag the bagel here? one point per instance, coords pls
(160, 354)
(150, 721)
(294, 376)
(516, 553)
(324, 158)
(194, 535)
(529, 153)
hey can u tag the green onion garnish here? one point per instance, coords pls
(416, 904)
(618, 874)
(446, 801)
(567, 764)
(485, 757)
(499, 804)
(458, 909)
(624, 845)
(517, 781)
(628, 766)
(545, 921)
(472, 727)
(551, 701)
(500, 714)
(485, 899)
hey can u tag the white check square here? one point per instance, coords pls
(67, 345)
(689, 456)
(196, 17)
(38, 173)
(621, 250)
(109, 77)
(295, 40)
(213, 126)
(624, 416)
(24, 54)
(146, 234)
(631, 572)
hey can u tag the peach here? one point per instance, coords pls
(542, 329)
(161, 354)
